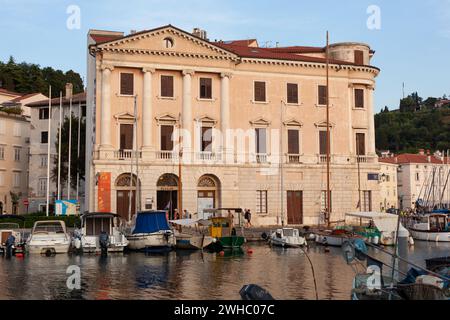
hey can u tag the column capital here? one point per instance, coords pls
(370, 87)
(228, 75)
(188, 72)
(104, 67)
(146, 70)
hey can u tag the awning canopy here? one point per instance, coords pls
(151, 222)
(190, 222)
(385, 222)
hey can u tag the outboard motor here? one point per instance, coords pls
(104, 243)
(253, 292)
(10, 245)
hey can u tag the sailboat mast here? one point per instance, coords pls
(180, 180)
(328, 195)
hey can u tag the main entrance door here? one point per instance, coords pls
(123, 203)
(167, 195)
(295, 207)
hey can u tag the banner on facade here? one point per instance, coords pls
(67, 208)
(104, 192)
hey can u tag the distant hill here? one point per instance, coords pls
(30, 78)
(409, 131)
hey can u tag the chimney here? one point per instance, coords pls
(132, 31)
(69, 91)
(200, 33)
(422, 152)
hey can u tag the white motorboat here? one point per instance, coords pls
(11, 229)
(151, 232)
(189, 238)
(434, 227)
(49, 237)
(87, 239)
(333, 238)
(287, 238)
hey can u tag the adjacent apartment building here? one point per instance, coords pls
(244, 125)
(14, 150)
(40, 137)
(388, 184)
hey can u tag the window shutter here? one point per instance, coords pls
(205, 88)
(359, 57)
(126, 84)
(206, 139)
(323, 142)
(359, 98)
(260, 140)
(360, 144)
(126, 137)
(260, 91)
(167, 86)
(293, 142)
(322, 95)
(292, 93)
(166, 138)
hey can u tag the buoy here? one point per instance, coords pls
(19, 255)
(222, 253)
(249, 251)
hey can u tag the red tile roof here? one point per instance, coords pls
(4, 91)
(18, 99)
(299, 49)
(245, 42)
(79, 97)
(408, 158)
(99, 39)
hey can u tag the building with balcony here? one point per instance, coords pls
(246, 125)
(388, 184)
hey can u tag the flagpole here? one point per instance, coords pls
(49, 139)
(59, 145)
(78, 150)
(70, 146)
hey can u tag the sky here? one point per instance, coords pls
(411, 38)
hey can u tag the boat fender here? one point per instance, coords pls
(222, 253)
(249, 251)
(264, 236)
(77, 243)
(411, 241)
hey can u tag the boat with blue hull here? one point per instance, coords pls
(151, 233)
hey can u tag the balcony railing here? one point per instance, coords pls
(167, 155)
(261, 158)
(127, 154)
(323, 158)
(293, 158)
(362, 159)
(208, 156)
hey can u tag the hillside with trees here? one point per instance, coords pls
(418, 124)
(30, 78)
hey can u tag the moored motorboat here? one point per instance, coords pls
(334, 238)
(11, 237)
(151, 232)
(434, 227)
(287, 238)
(189, 238)
(48, 237)
(87, 239)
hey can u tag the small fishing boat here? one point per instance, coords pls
(48, 237)
(188, 238)
(87, 239)
(334, 238)
(434, 227)
(287, 238)
(8, 229)
(151, 232)
(224, 230)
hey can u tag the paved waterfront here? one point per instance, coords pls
(182, 275)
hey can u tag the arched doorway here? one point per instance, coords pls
(167, 193)
(126, 187)
(208, 194)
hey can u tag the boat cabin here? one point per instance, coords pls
(49, 227)
(438, 223)
(287, 232)
(96, 223)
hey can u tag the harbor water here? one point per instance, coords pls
(285, 273)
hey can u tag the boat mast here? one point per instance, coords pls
(180, 181)
(130, 193)
(328, 195)
(136, 153)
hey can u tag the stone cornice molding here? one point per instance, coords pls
(104, 67)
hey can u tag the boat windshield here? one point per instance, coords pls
(9, 226)
(48, 227)
(288, 232)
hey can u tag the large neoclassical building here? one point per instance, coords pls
(245, 126)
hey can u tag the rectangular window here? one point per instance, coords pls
(417, 176)
(359, 98)
(2, 153)
(324, 200)
(16, 179)
(205, 88)
(43, 113)
(261, 145)
(17, 154)
(323, 142)
(2, 127)
(322, 95)
(260, 91)
(293, 142)
(2, 180)
(166, 138)
(261, 202)
(360, 144)
(17, 130)
(367, 201)
(359, 57)
(42, 186)
(292, 93)
(126, 137)
(44, 136)
(127, 84)
(43, 162)
(167, 86)
(206, 142)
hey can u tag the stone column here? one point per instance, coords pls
(105, 123)
(371, 121)
(147, 113)
(186, 113)
(225, 115)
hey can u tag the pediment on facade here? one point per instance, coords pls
(260, 122)
(124, 116)
(206, 119)
(166, 118)
(323, 124)
(167, 40)
(293, 123)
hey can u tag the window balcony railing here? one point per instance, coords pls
(362, 159)
(167, 155)
(127, 154)
(293, 158)
(208, 156)
(323, 158)
(261, 158)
